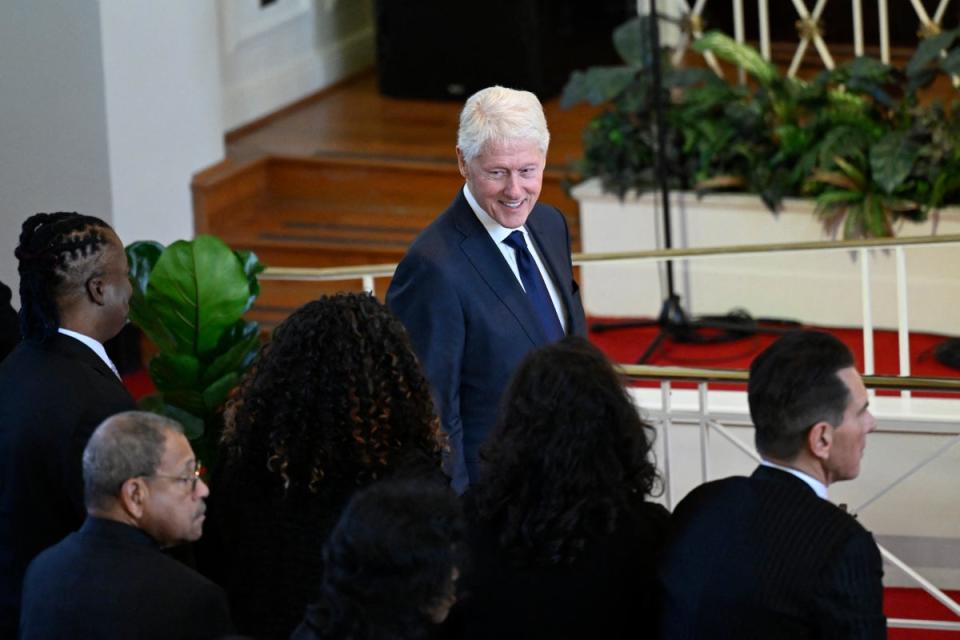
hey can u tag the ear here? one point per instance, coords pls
(95, 288)
(461, 163)
(820, 439)
(133, 496)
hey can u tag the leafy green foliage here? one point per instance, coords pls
(189, 299)
(854, 137)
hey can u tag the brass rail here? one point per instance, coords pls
(383, 270)
(690, 374)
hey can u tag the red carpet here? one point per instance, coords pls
(915, 603)
(626, 345)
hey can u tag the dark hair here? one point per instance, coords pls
(124, 446)
(58, 253)
(337, 397)
(389, 560)
(794, 385)
(569, 453)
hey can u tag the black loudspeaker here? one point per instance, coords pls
(449, 49)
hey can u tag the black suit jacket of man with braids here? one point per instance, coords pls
(54, 389)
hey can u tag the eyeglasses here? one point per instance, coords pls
(191, 479)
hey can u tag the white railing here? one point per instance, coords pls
(809, 29)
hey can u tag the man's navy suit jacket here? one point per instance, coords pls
(111, 580)
(765, 557)
(471, 322)
(53, 394)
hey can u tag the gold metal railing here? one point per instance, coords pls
(382, 270)
(692, 374)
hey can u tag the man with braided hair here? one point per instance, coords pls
(56, 386)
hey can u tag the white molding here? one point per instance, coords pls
(300, 78)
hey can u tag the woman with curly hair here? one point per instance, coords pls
(390, 565)
(563, 541)
(336, 401)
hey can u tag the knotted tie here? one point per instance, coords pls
(535, 287)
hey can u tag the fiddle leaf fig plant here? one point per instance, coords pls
(189, 299)
(856, 138)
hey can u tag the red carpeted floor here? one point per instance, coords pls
(626, 345)
(915, 603)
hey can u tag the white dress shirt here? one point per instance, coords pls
(816, 485)
(498, 233)
(93, 344)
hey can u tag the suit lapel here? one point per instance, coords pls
(75, 349)
(489, 263)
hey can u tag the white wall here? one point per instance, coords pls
(109, 107)
(288, 50)
(53, 142)
(162, 85)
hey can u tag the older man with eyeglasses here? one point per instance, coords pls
(143, 492)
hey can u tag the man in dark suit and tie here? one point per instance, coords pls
(491, 278)
(769, 556)
(56, 386)
(110, 579)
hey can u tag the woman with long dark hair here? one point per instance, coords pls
(563, 539)
(390, 565)
(335, 402)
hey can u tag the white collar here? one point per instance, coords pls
(93, 344)
(818, 487)
(496, 230)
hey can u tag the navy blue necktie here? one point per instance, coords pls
(535, 287)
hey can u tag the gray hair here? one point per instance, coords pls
(497, 114)
(124, 446)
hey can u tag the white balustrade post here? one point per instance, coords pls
(903, 323)
(867, 313)
(704, 434)
(667, 453)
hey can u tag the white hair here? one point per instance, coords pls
(497, 114)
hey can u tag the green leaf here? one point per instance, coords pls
(237, 349)
(197, 290)
(929, 50)
(876, 218)
(142, 256)
(189, 400)
(891, 160)
(216, 393)
(174, 371)
(252, 267)
(596, 85)
(868, 69)
(830, 199)
(744, 56)
(631, 40)
(192, 425)
(851, 171)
